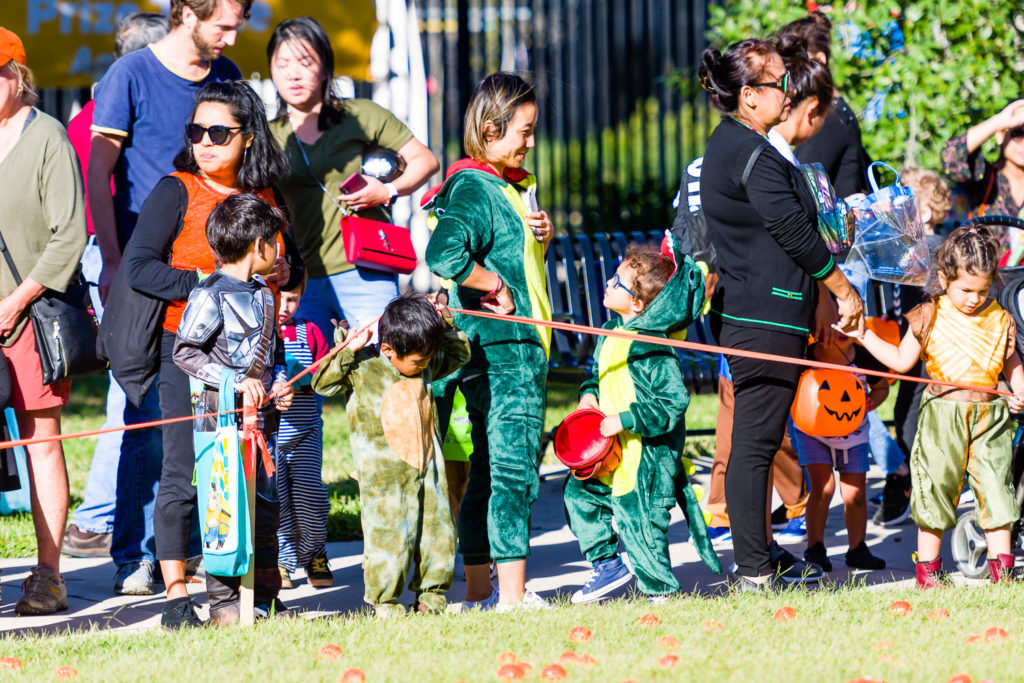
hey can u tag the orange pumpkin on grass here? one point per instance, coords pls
(828, 403)
(900, 608)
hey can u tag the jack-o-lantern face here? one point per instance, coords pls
(828, 403)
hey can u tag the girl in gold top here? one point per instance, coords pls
(963, 337)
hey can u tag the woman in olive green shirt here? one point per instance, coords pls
(325, 137)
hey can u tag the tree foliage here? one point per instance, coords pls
(916, 73)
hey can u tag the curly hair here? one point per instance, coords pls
(930, 189)
(972, 249)
(652, 270)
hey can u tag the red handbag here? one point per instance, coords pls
(378, 245)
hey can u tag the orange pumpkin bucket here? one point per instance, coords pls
(828, 403)
(580, 446)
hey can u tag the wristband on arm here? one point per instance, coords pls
(497, 287)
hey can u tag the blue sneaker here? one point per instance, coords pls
(719, 535)
(795, 531)
(604, 578)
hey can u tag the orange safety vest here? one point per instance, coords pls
(190, 249)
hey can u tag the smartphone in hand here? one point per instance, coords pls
(353, 183)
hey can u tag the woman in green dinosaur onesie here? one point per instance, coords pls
(489, 241)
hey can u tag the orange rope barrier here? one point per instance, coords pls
(708, 348)
(171, 420)
(565, 327)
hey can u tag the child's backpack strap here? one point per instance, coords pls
(267, 336)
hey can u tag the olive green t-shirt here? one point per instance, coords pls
(336, 155)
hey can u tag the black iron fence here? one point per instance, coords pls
(614, 133)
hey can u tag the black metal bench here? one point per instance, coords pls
(578, 267)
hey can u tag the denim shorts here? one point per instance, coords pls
(811, 451)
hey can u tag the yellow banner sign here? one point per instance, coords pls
(70, 43)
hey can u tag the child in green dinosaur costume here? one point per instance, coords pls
(489, 241)
(402, 489)
(638, 385)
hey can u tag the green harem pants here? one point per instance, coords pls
(407, 527)
(642, 517)
(957, 438)
(506, 414)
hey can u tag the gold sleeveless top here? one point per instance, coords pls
(966, 349)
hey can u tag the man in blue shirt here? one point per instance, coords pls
(142, 105)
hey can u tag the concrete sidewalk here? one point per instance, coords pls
(554, 568)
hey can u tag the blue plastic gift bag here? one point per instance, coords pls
(18, 500)
(890, 237)
(226, 526)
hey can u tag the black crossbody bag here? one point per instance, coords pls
(65, 328)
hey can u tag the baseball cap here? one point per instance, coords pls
(11, 47)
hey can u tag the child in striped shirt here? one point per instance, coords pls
(300, 487)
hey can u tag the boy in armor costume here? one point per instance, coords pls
(403, 491)
(230, 326)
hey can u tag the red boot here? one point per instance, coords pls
(929, 574)
(1001, 568)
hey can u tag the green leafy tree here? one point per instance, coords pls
(917, 73)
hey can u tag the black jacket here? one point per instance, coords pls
(131, 329)
(765, 233)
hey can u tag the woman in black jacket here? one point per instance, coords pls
(762, 222)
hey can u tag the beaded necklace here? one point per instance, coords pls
(748, 127)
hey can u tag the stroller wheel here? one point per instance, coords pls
(969, 546)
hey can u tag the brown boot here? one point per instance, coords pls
(929, 574)
(1001, 568)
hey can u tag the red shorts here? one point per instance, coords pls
(27, 389)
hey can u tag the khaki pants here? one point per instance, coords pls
(786, 474)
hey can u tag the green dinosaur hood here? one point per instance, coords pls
(679, 303)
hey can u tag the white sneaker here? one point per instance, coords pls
(530, 601)
(490, 602)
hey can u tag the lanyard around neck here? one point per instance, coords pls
(305, 158)
(745, 125)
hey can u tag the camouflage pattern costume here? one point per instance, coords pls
(403, 494)
(642, 383)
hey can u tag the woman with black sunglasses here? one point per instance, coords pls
(227, 149)
(763, 224)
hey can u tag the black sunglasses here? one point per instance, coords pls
(782, 84)
(218, 134)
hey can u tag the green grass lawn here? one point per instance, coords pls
(836, 635)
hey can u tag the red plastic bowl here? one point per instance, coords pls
(580, 446)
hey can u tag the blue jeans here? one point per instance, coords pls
(121, 490)
(884, 450)
(138, 476)
(358, 296)
(96, 513)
